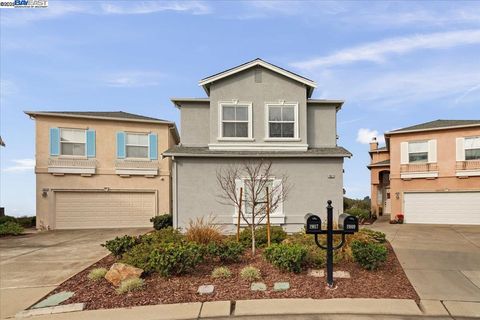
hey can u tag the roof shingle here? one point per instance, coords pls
(438, 124)
(102, 114)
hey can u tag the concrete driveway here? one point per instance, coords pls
(441, 261)
(34, 264)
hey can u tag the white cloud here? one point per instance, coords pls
(365, 136)
(146, 7)
(133, 79)
(379, 50)
(21, 165)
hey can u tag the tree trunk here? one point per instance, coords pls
(253, 231)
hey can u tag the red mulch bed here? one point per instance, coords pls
(389, 281)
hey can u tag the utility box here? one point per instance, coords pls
(313, 224)
(348, 223)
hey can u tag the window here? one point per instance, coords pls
(235, 121)
(418, 152)
(247, 200)
(472, 148)
(137, 145)
(282, 120)
(72, 142)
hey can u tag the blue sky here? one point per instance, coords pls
(395, 64)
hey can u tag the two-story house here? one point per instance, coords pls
(101, 169)
(428, 172)
(252, 111)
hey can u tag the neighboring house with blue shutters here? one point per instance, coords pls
(101, 169)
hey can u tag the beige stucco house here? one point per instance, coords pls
(101, 169)
(257, 111)
(429, 172)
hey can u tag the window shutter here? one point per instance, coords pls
(404, 153)
(120, 145)
(91, 148)
(277, 192)
(54, 141)
(460, 149)
(432, 151)
(152, 138)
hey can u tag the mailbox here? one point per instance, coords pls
(313, 224)
(348, 223)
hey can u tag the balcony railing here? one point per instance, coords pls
(66, 165)
(468, 165)
(419, 167)
(136, 167)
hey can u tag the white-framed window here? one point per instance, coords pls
(418, 152)
(137, 145)
(282, 120)
(235, 120)
(72, 142)
(472, 148)
(275, 190)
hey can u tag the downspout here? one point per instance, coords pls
(175, 193)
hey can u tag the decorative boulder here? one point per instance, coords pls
(121, 271)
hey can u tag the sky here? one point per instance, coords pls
(395, 64)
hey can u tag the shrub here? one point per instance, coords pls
(130, 285)
(250, 273)
(361, 214)
(227, 250)
(27, 222)
(120, 245)
(165, 258)
(286, 257)
(373, 235)
(162, 221)
(5, 219)
(369, 255)
(221, 272)
(277, 235)
(166, 235)
(10, 228)
(203, 231)
(97, 274)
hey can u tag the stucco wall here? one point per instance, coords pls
(311, 187)
(195, 124)
(105, 156)
(321, 126)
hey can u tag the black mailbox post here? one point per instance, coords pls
(347, 225)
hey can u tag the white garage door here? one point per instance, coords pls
(85, 210)
(442, 207)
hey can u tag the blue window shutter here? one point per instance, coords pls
(120, 145)
(153, 146)
(54, 141)
(91, 143)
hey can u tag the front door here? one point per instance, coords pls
(387, 209)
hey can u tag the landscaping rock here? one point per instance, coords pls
(317, 273)
(54, 300)
(119, 272)
(341, 274)
(281, 286)
(258, 286)
(206, 289)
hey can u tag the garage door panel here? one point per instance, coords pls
(442, 207)
(83, 210)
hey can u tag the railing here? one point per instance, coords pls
(71, 163)
(468, 165)
(418, 167)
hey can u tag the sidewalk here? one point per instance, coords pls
(277, 307)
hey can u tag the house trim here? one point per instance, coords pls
(220, 136)
(257, 146)
(419, 175)
(296, 135)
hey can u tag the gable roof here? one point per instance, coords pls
(205, 82)
(437, 125)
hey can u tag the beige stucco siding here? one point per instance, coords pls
(312, 182)
(105, 177)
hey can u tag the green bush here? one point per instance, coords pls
(250, 273)
(10, 228)
(130, 285)
(375, 236)
(27, 222)
(360, 213)
(120, 245)
(369, 255)
(166, 235)
(286, 257)
(5, 219)
(227, 250)
(277, 235)
(221, 272)
(97, 274)
(165, 258)
(162, 221)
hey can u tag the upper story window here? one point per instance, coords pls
(282, 120)
(136, 145)
(72, 142)
(418, 152)
(472, 148)
(236, 120)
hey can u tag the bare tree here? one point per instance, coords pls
(254, 177)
